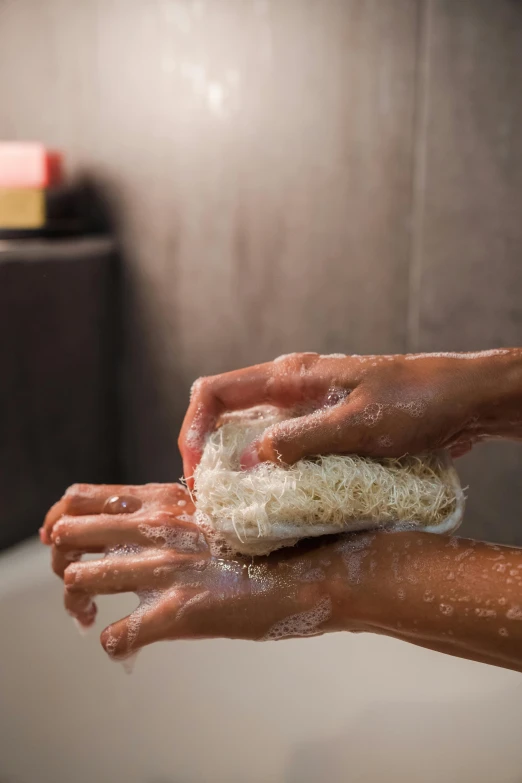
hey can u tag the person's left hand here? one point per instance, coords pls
(188, 589)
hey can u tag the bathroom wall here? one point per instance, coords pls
(289, 175)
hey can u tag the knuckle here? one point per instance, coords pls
(60, 530)
(273, 444)
(200, 386)
(308, 357)
(298, 359)
(114, 642)
(159, 518)
(73, 576)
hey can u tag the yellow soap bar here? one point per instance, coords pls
(22, 208)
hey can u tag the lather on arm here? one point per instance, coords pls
(455, 596)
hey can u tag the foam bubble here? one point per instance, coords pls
(183, 541)
(414, 408)
(468, 355)
(372, 414)
(147, 599)
(301, 624)
(195, 434)
(285, 356)
(111, 644)
(314, 575)
(489, 614)
(515, 613)
(196, 599)
(196, 386)
(335, 396)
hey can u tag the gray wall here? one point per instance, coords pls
(343, 175)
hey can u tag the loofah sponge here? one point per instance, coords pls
(272, 505)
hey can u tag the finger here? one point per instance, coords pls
(82, 499)
(173, 533)
(127, 573)
(60, 560)
(95, 533)
(81, 607)
(286, 383)
(86, 499)
(105, 531)
(336, 430)
(52, 516)
(149, 623)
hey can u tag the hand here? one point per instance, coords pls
(187, 589)
(451, 595)
(379, 406)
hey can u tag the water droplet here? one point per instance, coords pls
(124, 504)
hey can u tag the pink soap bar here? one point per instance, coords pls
(29, 165)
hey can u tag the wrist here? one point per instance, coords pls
(348, 582)
(498, 384)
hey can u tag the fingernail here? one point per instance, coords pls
(249, 458)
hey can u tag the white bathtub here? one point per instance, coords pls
(340, 708)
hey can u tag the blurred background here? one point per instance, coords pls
(275, 176)
(342, 176)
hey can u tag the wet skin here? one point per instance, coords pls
(452, 595)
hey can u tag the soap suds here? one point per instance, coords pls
(301, 624)
(468, 355)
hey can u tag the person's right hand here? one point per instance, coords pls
(379, 406)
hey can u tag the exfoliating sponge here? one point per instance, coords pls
(272, 505)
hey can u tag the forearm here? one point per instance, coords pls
(452, 595)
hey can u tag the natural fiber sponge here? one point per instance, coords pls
(273, 505)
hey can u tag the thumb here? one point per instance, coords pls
(328, 431)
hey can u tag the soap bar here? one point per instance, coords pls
(22, 208)
(29, 165)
